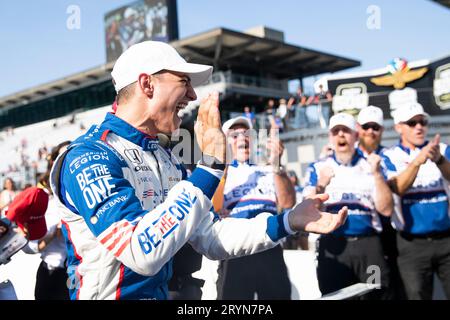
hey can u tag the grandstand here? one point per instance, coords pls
(23, 143)
(250, 68)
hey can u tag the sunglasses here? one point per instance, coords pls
(413, 123)
(236, 134)
(335, 131)
(373, 126)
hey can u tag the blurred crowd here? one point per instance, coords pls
(27, 149)
(297, 111)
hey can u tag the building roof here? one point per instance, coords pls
(445, 3)
(227, 49)
(66, 84)
(224, 49)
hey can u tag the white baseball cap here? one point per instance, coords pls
(151, 57)
(234, 121)
(343, 119)
(407, 111)
(370, 114)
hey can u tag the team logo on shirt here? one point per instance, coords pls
(142, 168)
(154, 193)
(134, 156)
(95, 183)
(168, 221)
(87, 157)
(152, 145)
(106, 207)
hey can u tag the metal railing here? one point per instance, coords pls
(249, 81)
(306, 117)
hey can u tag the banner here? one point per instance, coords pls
(394, 86)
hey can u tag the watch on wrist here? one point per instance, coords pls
(211, 162)
(278, 169)
(440, 160)
(320, 188)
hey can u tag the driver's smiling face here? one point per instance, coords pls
(173, 91)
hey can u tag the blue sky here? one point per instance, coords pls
(37, 47)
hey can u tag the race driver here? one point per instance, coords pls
(128, 209)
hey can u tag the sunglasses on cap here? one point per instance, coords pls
(413, 123)
(373, 126)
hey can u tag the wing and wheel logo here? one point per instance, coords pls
(399, 74)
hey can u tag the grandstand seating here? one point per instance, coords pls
(48, 133)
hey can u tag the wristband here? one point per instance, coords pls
(440, 160)
(320, 188)
(211, 162)
(278, 169)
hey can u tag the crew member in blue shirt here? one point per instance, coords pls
(352, 253)
(419, 175)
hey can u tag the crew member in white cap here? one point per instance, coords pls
(370, 124)
(128, 212)
(251, 190)
(370, 130)
(346, 255)
(419, 175)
